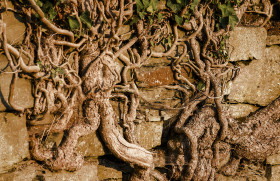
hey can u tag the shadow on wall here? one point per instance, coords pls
(3, 101)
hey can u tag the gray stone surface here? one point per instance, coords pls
(13, 140)
(247, 43)
(149, 134)
(124, 32)
(259, 82)
(273, 159)
(240, 110)
(274, 173)
(22, 95)
(159, 95)
(15, 28)
(106, 173)
(273, 40)
(90, 145)
(225, 178)
(31, 171)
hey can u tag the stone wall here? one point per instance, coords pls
(257, 84)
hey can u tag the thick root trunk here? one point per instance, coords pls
(125, 151)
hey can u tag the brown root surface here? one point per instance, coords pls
(80, 60)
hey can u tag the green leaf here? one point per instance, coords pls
(151, 20)
(154, 4)
(52, 14)
(53, 73)
(73, 23)
(60, 70)
(133, 21)
(85, 18)
(179, 20)
(232, 20)
(160, 17)
(169, 42)
(194, 4)
(150, 9)
(139, 6)
(175, 6)
(226, 10)
(152, 43)
(39, 3)
(179, 1)
(201, 85)
(141, 15)
(228, 15)
(146, 3)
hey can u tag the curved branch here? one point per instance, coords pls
(48, 23)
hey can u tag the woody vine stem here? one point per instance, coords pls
(72, 49)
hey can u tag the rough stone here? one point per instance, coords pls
(107, 173)
(31, 170)
(240, 110)
(124, 32)
(273, 40)
(247, 43)
(273, 159)
(90, 145)
(164, 61)
(13, 140)
(155, 76)
(259, 82)
(247, 171)
(15, 29)
(220, 177)
(149, 134)
(22, 94)
(274, 173)
(167, 114)
(161, 95)
(152, 115)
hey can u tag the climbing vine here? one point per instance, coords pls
(73, 48)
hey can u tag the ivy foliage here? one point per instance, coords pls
(228, 15)
(85, 19)
(50, 11)
(146, 7)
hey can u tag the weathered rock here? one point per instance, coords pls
(274, 173)
(273, 40)
(13, 140)
(159, 95)
(155, 76)
(167, 114)
(124, 32)
(90, 145)
(31, 170)
(246, 171)
(164, 61)
(247, 43)
(220, 177)
(149, 134)
(152, 115)
(107, 173)
(259, 82)
(22, 94)
(15, 29)
(273, 159)
(240, 110)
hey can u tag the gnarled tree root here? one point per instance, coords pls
(131, 153)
